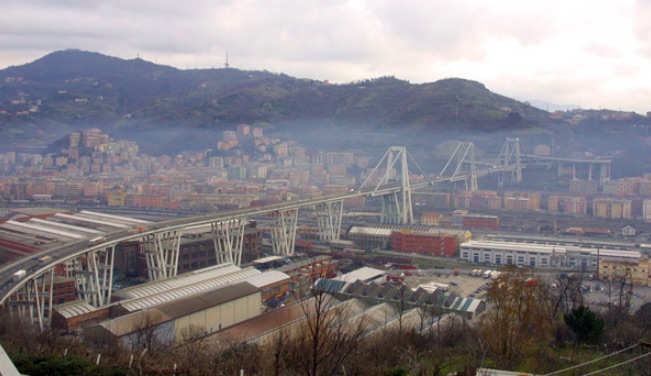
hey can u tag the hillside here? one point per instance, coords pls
(77, 88)
(157, 105)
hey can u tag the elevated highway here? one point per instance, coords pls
(92, 259)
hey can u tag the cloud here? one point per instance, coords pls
(555, 50)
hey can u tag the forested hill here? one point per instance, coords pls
(156, 105)
(79, 88)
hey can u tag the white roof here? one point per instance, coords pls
(548, 248)
(267, 278)
(363, 274)
(370, 231)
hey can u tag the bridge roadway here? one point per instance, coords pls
(561, 159)
(73, 250)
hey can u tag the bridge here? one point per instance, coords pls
(591, 163)
(92, 260)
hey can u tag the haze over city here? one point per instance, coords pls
(582, 53)
(348, 187)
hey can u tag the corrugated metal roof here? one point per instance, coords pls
(158, 297)
(388, 229)
(370, 231)
(184, 307)
(267, 278)
(76, 308)
(465, 305)
(181, 280)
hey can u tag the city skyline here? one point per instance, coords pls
(587, 54)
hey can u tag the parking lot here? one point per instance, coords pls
(596, 293)
(463, 284)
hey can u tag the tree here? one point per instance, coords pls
(587, 327)
(518, 320)
(325, 339)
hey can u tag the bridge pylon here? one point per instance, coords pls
(283, 231)
(162, 254)
(228, 238)
(329, 215)
(393, 169)
(510, 160)
(33, 301)
(93, 274)
(464, 154)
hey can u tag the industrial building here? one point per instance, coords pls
(379, 237)
(409, 241)
(636, 273)
(540, 255)
(209, 300)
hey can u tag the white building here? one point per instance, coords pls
(537, 255)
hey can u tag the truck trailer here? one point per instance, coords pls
(19, 275)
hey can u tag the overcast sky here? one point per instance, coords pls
(592, 53)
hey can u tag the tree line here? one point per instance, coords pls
(527, 327)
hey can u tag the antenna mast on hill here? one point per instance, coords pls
(226, 65)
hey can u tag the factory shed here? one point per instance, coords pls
(467, 307)
(174, 321)
(327, 303)
(273, 284)
(259, 325)
(74, 315)
(364, 274)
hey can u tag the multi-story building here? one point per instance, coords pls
(544, 255)
(620, 187)
(611, 208)
(483, 222)
(583, 186)
(371, 237)
(431, 219)
(576, 205)
(636, 273)
(646, 210)
(424, 243)
(434, 199)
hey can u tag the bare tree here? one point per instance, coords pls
(516, 321)
(145, 333)
(191, 354)
(325, 339)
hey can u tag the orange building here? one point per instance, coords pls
(484, 222)
(424, 243)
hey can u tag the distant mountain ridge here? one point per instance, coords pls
(73, 89)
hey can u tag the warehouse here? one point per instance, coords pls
(177, 320)
(535, 255)
(202, 291)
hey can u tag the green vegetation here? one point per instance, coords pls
(526, 327)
